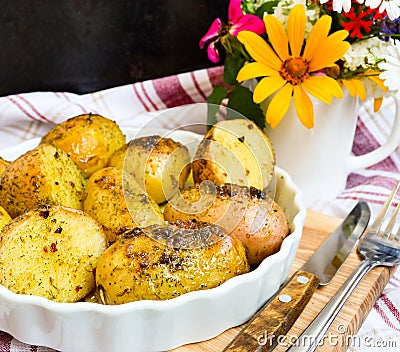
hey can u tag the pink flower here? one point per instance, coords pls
(237, 22)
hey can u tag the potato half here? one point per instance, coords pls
(43, 175)
(140, 267)
(51, 252)
(115, 200)
(243, 212)
(89, 139)
(160, 165)
(235, 151)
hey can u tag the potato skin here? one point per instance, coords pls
(89, 139)
(141, 268)
(235, 151)
(118, 157)
(51, 252)
(160, 165)
(116, 203)
(245, 213)
(3, 165)
(5, 218)
(43, 175)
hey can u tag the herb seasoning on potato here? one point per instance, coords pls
(115, 200)
(43, 175)
(140, 267)
(89, 139)
(209, 232)
(244, 212)
(51, 252)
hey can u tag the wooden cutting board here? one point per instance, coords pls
(317, 227)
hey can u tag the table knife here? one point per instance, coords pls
(277, 316)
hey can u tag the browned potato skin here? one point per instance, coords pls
(3, 165)
(140, 268)
(105, 201)
(43, 175)
(89, 139)
(236, 214)
(160, 165)
(51, 252)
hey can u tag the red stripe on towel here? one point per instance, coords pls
(365, 142)
(134, 86)
(154, 105)
(171, 92)
(64, 96)
(197, 86)
(394, 283)
(216, 75)
(36, 111)
(384, 317)
(395, 278)
(391, 307)
(20, 107)
(5, 341)
(387, 182)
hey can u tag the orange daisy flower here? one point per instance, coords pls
(288, 70)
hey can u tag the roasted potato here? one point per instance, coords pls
(244, 212)
(140, 267)
(118, 203)
(4, 218)
(3, 165)
(89, 139)
(51, 252)
(160, 165)
(43, 175)
(235, 151)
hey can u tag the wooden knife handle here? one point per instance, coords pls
(277, 316)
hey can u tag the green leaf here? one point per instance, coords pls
(268, 7)
(214, 101)
(235, 58)
(248, 7)
(233, 63)
(241, 100)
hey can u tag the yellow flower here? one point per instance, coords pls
(375, 78)
(288, 69)
(356, 87)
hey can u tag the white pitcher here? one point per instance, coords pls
(319, 159)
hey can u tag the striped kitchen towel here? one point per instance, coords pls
(26, 116)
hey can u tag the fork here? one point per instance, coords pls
(378, 248)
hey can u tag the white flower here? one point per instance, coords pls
(365, 53)
(391, 73)
(338, 5)
(392, 7)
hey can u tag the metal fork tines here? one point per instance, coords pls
(375, 228)
(380, 246)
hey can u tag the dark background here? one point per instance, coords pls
(82, 46)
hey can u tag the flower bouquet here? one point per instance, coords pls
(276, 51)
